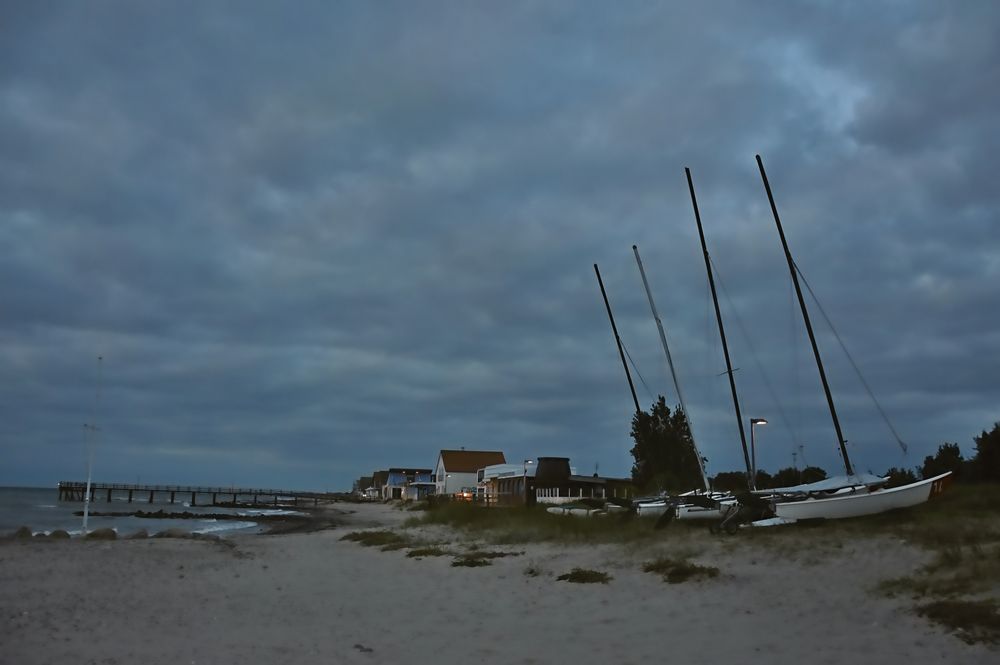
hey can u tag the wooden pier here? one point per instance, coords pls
(210, 496)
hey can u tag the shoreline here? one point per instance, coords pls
(311, 596)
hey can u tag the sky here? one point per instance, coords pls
(309, 241)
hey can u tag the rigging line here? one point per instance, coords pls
(753, 352)
(637, 372)
(850, 358)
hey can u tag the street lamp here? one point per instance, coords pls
(524, 478)
(753, 448)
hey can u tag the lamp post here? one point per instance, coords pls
(524, 478)
(753, 448)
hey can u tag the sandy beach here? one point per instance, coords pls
(315, 598)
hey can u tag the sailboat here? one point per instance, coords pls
(690, 505)
(697, 504)
(853, 494)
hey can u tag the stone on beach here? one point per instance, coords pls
(102, 534)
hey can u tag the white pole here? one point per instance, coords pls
(90, 462)
(90, 446)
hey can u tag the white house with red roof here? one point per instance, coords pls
(458, 469)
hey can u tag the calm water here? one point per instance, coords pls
(42, 511)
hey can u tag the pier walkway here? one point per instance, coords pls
(214, 496)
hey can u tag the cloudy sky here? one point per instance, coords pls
(312, 240)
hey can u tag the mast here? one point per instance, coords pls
(751, 481)
(618, 340)
(670, 363)
(805, 317)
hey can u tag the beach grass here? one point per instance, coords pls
(676, 570)
(510, 525)
(427, 551)
(383, 539)
(971, 620)
(585, 576)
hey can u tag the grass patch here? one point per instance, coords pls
(533, 571)
(956, 570)
(510, 525)
(426, 551)
(971, 620)
(387, 540)
(584, 576)
(470, 562)
(484, 554)
(676, 571)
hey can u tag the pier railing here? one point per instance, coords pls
(73, 490)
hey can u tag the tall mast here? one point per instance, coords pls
(751, 481)
(618, 340)
(805, 317)
(670, 363)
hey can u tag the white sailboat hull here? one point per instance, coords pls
(862, 502)
(693, 512)
(651, 508)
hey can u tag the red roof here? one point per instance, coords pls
(470, 461)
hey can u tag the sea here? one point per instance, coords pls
(40, 509)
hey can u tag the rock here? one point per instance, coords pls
(23, 533)
(59, 534)
(138, 535)
(102, 534)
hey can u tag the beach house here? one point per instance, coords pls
(547, 480)
(399, 479)
(457, 470)
(377, 490)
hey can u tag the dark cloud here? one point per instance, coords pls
(313, 242)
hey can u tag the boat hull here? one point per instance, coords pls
(862, 502)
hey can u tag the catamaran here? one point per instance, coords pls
(852, 494)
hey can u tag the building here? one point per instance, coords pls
(513, 478)
(399, 479)
(549, 480)
(458, 469)
(377, 491)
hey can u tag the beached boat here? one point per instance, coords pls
(688, 506)
(851, 495)
(858, 501)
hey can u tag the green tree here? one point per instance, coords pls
(813, 474)
(986, 463)
(948, 458)
(787, 477)
(730, 481)
(899, 477)
(664, 452)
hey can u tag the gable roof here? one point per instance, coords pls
(470, 461)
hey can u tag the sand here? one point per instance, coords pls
(313, 598)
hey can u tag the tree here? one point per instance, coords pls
(786, 477)
(813, 474)
(986, 463)
(730, 481)
(948, 458)
(899, 477)
(664, 452)
(763, 480)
